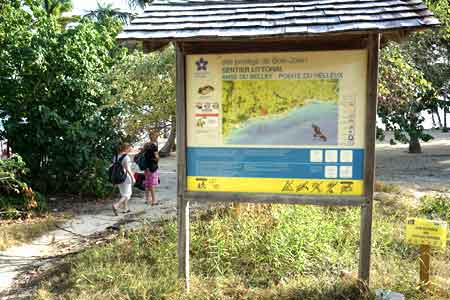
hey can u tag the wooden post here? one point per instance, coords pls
(182, 204)
(424, 264)
(373, 45)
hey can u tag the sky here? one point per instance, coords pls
(80, 6)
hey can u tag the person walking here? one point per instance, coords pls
(125, 187)
(152, 169)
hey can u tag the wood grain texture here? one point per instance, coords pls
(349, 42)
(275, 198)
(369, 163)
(425, 253)
(182, 204)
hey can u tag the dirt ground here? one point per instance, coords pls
(428, 171)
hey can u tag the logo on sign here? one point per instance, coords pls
(201, 64)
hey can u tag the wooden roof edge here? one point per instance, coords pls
(395, 34)
(147, 45)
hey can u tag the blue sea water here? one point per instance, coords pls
(293, 128)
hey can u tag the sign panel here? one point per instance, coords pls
(278, 123)
(426, 232)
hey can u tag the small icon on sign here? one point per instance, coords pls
(288, 186)
(330, 187)
(346, 186)
(303, 187)
(201, 64)
(201, 183)
(205, 90)
(316, 187)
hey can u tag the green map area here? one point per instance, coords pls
(245, 100)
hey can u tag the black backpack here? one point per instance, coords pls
(140, 160)
(117, 174)
(151, 163)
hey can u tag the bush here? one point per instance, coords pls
(436, 206)
(16, 197)
(54, 110)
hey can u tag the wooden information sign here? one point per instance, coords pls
(278, 125)
(276, 100)
(426, 233)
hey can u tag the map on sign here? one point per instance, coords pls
(426, 232)
(280, 112)
(286, 123)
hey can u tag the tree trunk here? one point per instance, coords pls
(414, 146)
(439, 118)
(445, 129)
(169, 146)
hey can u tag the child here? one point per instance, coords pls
(126, 186)
(151, 172)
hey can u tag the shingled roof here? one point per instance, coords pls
(224, 19)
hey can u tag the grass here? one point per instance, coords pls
(17, 232)
(279, 252)
(387, 188)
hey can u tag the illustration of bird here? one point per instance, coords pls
(205, 90)
(318, 133)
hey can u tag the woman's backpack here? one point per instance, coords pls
(140, 160)
(117, 174)
(151, 161)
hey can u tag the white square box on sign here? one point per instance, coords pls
(346, 171)
(316, 156)
(331, 156)
(331, 172)
(346, 156)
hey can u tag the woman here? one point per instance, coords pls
(151, 172)
(126, 186)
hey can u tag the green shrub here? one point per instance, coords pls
(12, 171)
(56, 114)
(16, 197)
(436, 206)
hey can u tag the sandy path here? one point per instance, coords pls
(428, 171)
(16, 259)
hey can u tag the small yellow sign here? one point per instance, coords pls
(426, 232)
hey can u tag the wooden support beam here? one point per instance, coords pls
(275, 198)
(425, 265)
(373, 46)
(312, 44)
(182, 203)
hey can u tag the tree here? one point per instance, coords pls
(414, 78)
(104, 11)
(144, 86)
(403, 94)
(139, 3)
(430, 52)
(57, 8)
(51, 96)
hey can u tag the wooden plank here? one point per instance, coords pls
(274, 198)
(369, 164)
(182, 204)
(425, 264)
(276, 45)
